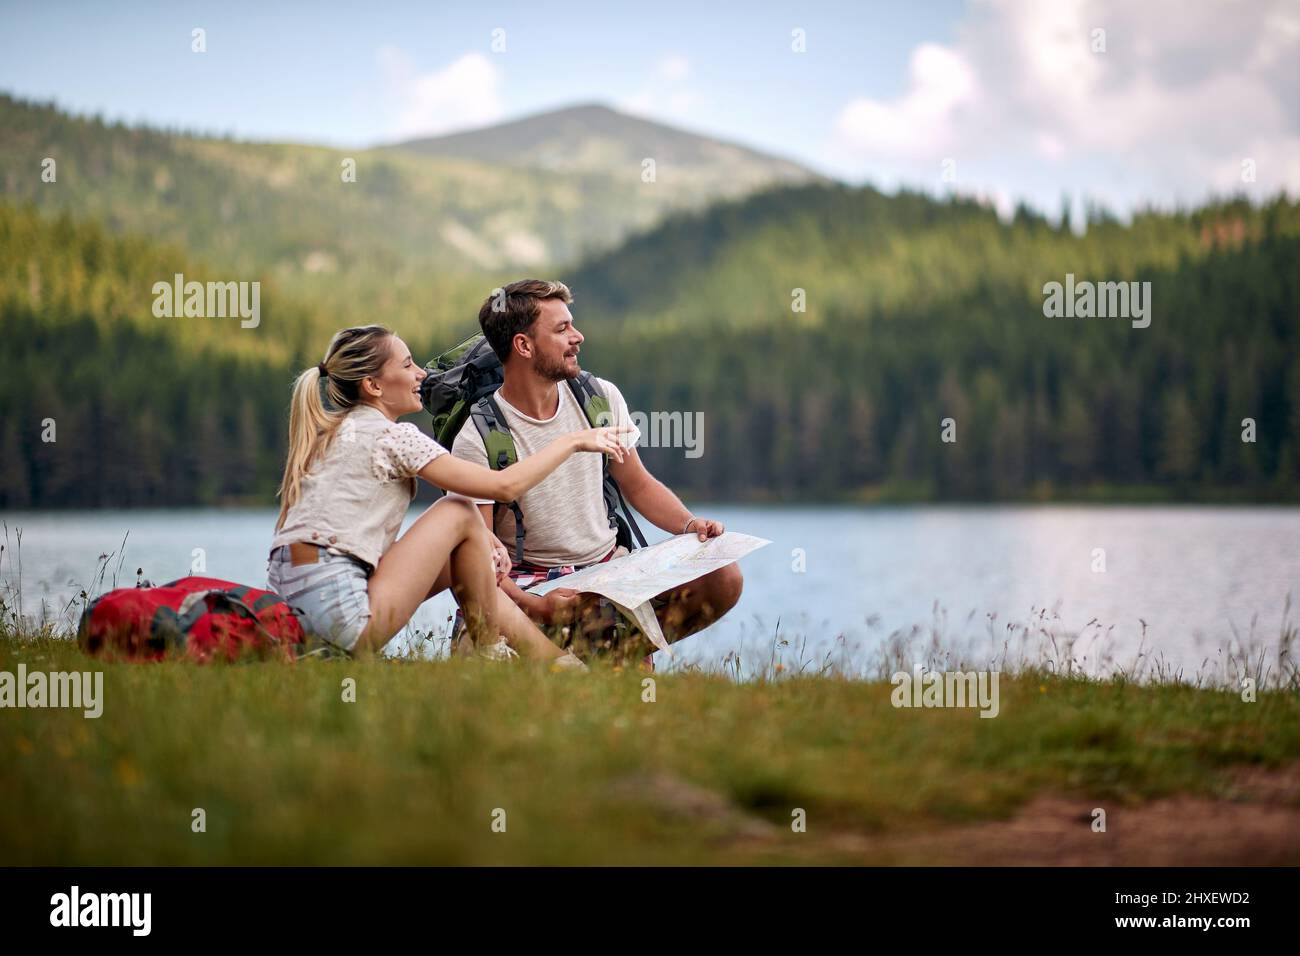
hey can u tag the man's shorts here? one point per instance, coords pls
(604, 629)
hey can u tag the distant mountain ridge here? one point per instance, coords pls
(452, 211)
(592, 137)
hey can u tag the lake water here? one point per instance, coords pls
(840, 580)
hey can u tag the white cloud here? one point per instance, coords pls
(464, 93)
(1182, 94)
(923, 119)
(666, 95)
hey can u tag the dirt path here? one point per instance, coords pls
(1255, 823)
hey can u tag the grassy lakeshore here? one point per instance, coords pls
(586, 771)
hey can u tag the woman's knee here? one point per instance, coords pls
(456, 515)
(463, 512)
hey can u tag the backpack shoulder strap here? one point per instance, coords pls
(500, 447)
(595, 405)
(591, 399)
(492, 428)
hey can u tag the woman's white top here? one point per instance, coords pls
(353, 498)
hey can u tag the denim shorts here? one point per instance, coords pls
(330, 595)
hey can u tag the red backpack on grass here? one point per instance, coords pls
(197, 618)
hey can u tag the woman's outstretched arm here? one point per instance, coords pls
(476, 481)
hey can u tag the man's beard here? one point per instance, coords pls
(554, 371)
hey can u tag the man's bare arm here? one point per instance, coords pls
(655, 500)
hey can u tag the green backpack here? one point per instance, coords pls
(461, 384)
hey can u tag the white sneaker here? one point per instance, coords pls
(500, 651)
(568, 662)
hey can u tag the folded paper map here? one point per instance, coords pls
(632, 580)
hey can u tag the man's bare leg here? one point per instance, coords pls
(690, 608)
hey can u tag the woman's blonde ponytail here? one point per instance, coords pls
(353, 355)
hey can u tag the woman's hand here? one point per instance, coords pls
(501, 562)
(607, 441)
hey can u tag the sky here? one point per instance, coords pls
(1127, 104)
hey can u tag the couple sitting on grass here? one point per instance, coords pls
(351, 474)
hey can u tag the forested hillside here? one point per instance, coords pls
(918, 311)
(823, 332)
(402, 230)
(104, 404)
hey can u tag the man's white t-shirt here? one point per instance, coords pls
(565, 521)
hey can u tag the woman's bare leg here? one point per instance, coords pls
(474, 585)
(403, 582)
(519, 630)
(524, 636)
(448, 536)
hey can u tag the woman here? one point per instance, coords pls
(348, 481)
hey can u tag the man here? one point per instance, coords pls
(567, 527)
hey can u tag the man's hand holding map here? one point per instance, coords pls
(632, 580)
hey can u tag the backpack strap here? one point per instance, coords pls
(500, 447)
(501, 452)
(627, 512)
(591, 399)
(595, 405)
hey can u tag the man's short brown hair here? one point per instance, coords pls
(514, 308)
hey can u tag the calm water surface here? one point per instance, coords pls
(839, 580)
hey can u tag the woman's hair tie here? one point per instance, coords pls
(320, 367)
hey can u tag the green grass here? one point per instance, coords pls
(586, 772)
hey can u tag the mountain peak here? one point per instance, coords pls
(593, 137)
